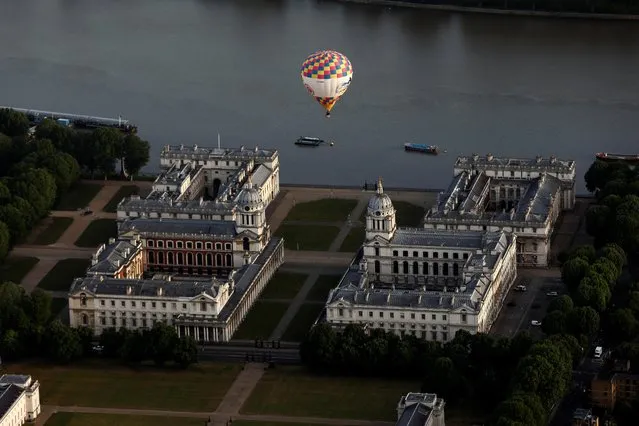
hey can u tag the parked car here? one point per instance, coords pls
(552, 294)
(520, 288)
(97, 348)
(536, 323)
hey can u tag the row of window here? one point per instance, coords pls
(189, 245)
(198, 259)
(427, 269)
(403, 315)
(143, 304)
(424, 254)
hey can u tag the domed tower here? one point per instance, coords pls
(251, 210)
(380, 215)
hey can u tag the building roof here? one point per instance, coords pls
(260, 175)
(162, 202)
(195, 152)
(490, 162)
(435, 238)
(209, 228)
(110, 258)
(176, 174)
(15, 379)
(415, 415)
(9, 394)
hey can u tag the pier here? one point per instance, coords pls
(78, 121)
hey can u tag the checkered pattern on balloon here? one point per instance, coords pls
(330, 73)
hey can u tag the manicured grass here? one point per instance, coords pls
(123, 192)
(105, 385)
(63, 273)
(84, 419)
(313, 238)
(97, 233)
(283, 285)
(79, 196)
(322, 286)
(353, 240)
(408, 214)
(251, 423)
(292, 391)
(57, 305)
(261, 320)
(52, 233)
(302, 322)
(324, 210)
(15, 268)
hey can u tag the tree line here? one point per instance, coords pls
(28, 328)
(37, 169)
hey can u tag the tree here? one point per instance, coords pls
(606, 269)
(615, 254)
(573, 271)
(318, 348)
(594, 291)
(562, 303)
(5, 241)
(185, 352)
(583, 320)
(162, 340)
(554, 323)
(60, 136)
(15, 222)
(584, 251)
(135, 348)
(444, 380)
(622, 325)
(104, 143)
(39, 306)
(112, 341)
(134, 154)
(13, 123)
(62, 343)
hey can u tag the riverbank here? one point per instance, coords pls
(492, 11)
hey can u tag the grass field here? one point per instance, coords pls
(320, 289)
(353, 240)
(251, 423)
(63, 273)
(123, 192)
(84, 419)
(302, 322)
(15, 268)
(325, 210)
(291, 391)
(97, 233)
(57, 305)
(261, 320)
(103, 385)
(408, 214)
(283, 285)
(313, 238)
(78, 197)
(54, 230)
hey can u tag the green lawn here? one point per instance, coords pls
(293, 392)
(57, 305)
(313, 238)
(123, 192)
(353, 240)
(325, 210)
(251, 423)
(320, 289)
(408, 214)
(283, 285)
(97, 233)
(53, 231)
(63, 273)
(302, 322)
(84, 419)
(15, 268)
(79, 196)
(104, 385)
(261, 320)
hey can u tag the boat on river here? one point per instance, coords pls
(614, 158)
(308, 141)
(424, 149)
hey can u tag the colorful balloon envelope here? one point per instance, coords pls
(326, 75)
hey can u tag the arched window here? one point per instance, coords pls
(218, 246)
(198, 258)
(445, 269)
(229, 260)
(228, 246)
(83, 299)
(218, 259)
(161, 257)
(180, 258)
(425, 268)
(415, 268)
(151, 257)
(246, 245)
(395, 267)
(377, 267)
(455, 269)
(85, 319)
(435, 268)
(170, 258)
(209, 259)
(189, 258)
(405, 266)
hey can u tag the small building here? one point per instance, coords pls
(584, 417)
(428, 283)
(19, 399)
(612, 384)
(420, 409)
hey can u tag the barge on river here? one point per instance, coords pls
(618, 158)
(77, 121)
(424, 149)
(308, 141)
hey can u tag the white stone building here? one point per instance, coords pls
(520, 196)
(19, 400)
(420, 409)
(425, 282)
(195, 264)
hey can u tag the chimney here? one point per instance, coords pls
(117, 263)
(129, 290)
(111, 240)
(489, 157)
(160, 291)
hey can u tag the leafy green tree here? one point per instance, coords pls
(444, 380)
(583, 320)
(5, 241)
(62, 343)
(15, 221)
(594, 291)
(38, 307)
(105, 143)
(86, 336)
(586, 252)
(318, 348)
(561, 303)
(162, 341)
(112, 341)
(615, 254)
(185, 353)
(136, 347)
(606, 269)
(61, 137)
(573, 271)
(13, 123)
(554, 323)
(622, 325)
(11, 346)
(134, 154)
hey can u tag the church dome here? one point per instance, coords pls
(249, 198)
(380, 204)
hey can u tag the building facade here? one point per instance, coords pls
(426, 282)
(420, 409)
(195, 264)
(519, 196)
(19, 400)
(614, 384)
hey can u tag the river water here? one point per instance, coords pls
(184, 70)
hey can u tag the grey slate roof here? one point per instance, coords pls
(437, 238)
(222, 228)
(415, 415)
(196, 152)
(158, 202)
(9, 394)
(260, 175)
(104, 286)
(111, 254)
(550, 164)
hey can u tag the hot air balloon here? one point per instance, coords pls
(326, 75)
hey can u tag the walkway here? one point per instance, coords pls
(241, 388)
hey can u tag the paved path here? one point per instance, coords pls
(348, 225)
(35, 275)
(290, 313)
(241, 388)
(218, 417)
